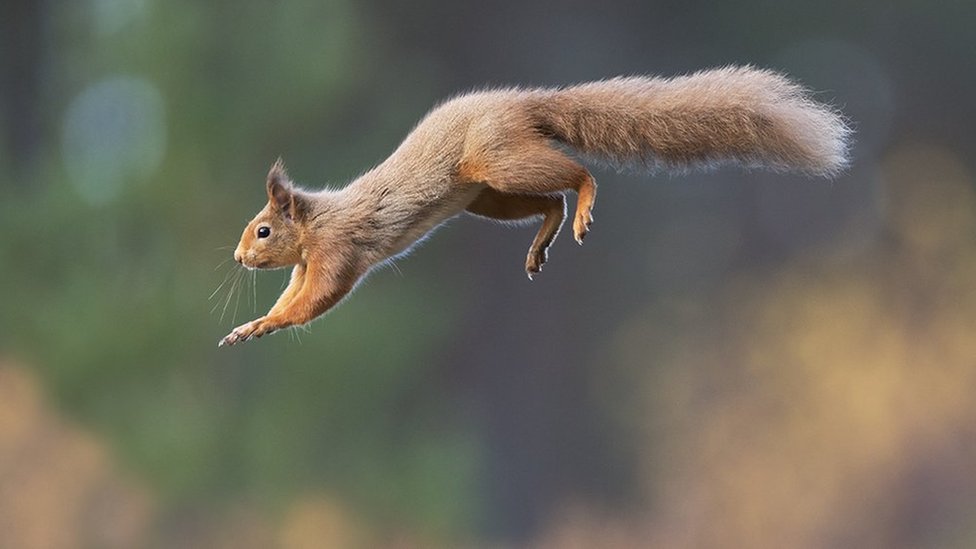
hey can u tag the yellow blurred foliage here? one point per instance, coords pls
(318, 522)
(57, 486)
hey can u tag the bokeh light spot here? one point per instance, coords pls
(114, 131)
(111, 16)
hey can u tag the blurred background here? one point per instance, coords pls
(732, 360)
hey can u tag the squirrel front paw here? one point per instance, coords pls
(253, 329)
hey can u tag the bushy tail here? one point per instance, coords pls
(740, 115)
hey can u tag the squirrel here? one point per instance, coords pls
(501, 154)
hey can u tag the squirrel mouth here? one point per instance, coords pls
(252, 265)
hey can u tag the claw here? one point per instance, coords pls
(582, 228)
(533, 267)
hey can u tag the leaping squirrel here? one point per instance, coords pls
(496, 154)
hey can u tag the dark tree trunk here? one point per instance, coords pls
(21, 44)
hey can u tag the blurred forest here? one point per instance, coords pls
(734, 359)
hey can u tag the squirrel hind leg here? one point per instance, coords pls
(513, 207)
(535, 168)
(555, 213)
(586, 197)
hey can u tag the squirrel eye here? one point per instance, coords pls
(264, 232)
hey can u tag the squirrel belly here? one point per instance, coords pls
(497, 154)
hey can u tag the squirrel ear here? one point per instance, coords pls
(281, 193)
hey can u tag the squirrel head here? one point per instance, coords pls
(273, 239)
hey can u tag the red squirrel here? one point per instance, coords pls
(499, 154)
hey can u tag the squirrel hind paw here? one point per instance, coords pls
(534, 263)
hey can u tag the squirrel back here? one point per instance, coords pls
(743, 115)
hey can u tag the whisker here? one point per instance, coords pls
(226, 299)
(230, 293)
(227, 278)
(221, 285)
(254, 290)
(222, 263)
(217, 305)
(237, 301)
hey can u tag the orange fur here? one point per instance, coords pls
(492, 153)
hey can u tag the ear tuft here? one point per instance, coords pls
(278, 171)
(281, 193)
